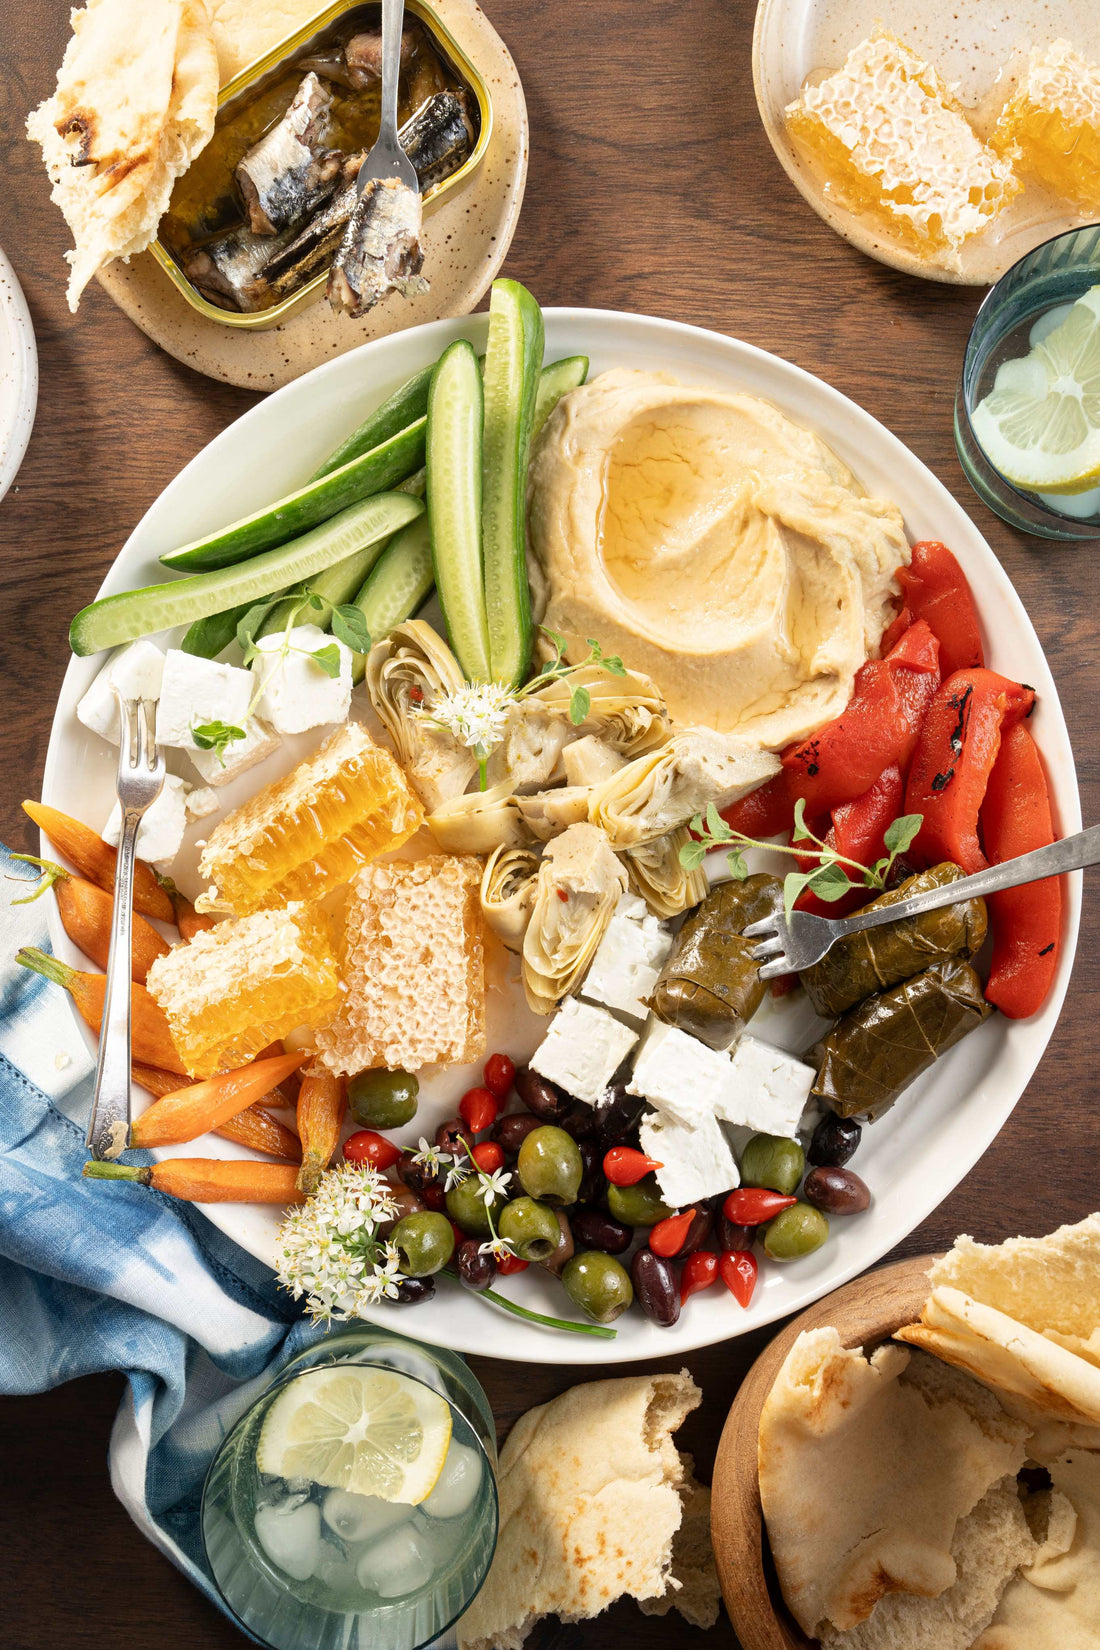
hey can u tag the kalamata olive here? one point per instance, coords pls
(564, 1252)
(407, 1204)
(412, 1173)
(836, 1191)
(698, 1232)
(655, 1288)
(592, 1179)
(412, 1290)
(619, 1119)
(579, 1121)
(540, 1096)
(432, 1195)
(475, 1270)
(595, 1230)
(510, 1132)
(834, 1141)
(731, 1236)
(449, 1136)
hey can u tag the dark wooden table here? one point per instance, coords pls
(652, 188)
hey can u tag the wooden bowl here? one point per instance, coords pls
(864, 1313)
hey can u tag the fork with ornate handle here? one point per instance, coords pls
(789, 944)
(140, 781)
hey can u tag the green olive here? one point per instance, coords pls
(640, 1205)
(599, 1284)
(426, 1242)
(531, 1228)
(795, 1232)
(466, 1207)
(383, 1099)
(549, 1166)
(773, 1161)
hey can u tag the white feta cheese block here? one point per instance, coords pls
(196, 691)
(681, 1076)
(201, 802)
(582, 1050)
(298, 694)
(696, 1159)
(136, 671)
(160, 834)
(239, 755)
(770, 1088)
(628, 960)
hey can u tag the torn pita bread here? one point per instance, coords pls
(592, 1495)
(135, 103)
(244, 30)
(694, 1591)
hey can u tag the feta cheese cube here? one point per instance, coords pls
(696, 1160)
(160, 834)
(628, 960)
(582, 1050)
(298, 694)
(136, 671)
(258, 744)
(681, 1076)
(201, 802)
(196, 691)
(770, 1088)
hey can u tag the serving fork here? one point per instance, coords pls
(387, 159)
(791, 943)
(140, 781)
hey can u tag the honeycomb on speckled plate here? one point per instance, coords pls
(1052, 124)
(894, 143)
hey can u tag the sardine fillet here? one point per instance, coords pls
(381, 250)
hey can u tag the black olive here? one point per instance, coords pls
(655, 1288)
(834, 1141)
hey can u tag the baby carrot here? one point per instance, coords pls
(321, 1105)
(198, 1107)
(151, 1038)
(254, 1127)
(95, 859)
(189, 921)
(208, 1179)
(86, 911)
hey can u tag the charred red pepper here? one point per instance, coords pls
(739, 1269)
(858, 831)
(1027, 921)
(895, 631)
(934, 588)
(954, 758)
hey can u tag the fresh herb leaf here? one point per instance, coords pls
(580, 703)
(902, 833)
(247, 628)
(692, 855)
(327, 658)
(738, 865)
(830, 881)
(350, 627)
(613, 664)
(315, 601)
(216, 736)
(716, 825)
(800, 832)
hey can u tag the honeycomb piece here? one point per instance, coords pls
(306, 834)
(894, 143)
(240, 985)
(413, 968)
(1052, 123)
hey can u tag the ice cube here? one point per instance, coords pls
(361, 1517)
(457, 1484)
(396, 1565)
(336, 1568)
(290, 1535)
(442, 1539)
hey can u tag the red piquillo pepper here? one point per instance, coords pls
(1027, 921)
(858, 831)
(953, 760)
(738, 1269)
(934, 588)
(753, 1205)
(668, 1237)
(623, 1166)
(700, 1271)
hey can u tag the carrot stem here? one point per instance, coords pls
(99, 1169)
(151, 1037)
(51, 873)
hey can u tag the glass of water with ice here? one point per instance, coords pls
(355, 1502)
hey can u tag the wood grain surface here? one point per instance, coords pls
(652, 188)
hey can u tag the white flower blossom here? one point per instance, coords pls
(329, 1249)
(492, 1186)
(474, 714)
(498, 1247)
(456, 1174)
(430, 1157)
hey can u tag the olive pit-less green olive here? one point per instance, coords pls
(639, 1205)
(383, 1099)
(599, 1284)
(795, 1232)
(550, 1166)
(773, 1161)
(531, 1228)
(466, 1207)
(425, 1241)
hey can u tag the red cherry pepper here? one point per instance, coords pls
(953, 760)
(1027, 921)
(479, 1109)
(488, 1156)
(700, 1271)
(668, 1237)
(507, 1264)
(738, 1269)
(623, 1166)
(499, 1074)
(935, 589)
(368, 1147)
(753, 1205)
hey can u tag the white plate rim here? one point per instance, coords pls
(16, 320)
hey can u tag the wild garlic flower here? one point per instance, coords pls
(492, 1186)
(430, 1157)
(498, 1247)
(330, 1250)
(457, 1173)
(474, 714)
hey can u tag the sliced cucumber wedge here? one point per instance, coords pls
(117, 619)
(398, 587)
(555, 381)
(455, 405)
(381, 468)
(513, 361)
(334, 586)
(402, 408)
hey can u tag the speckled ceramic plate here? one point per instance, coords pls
(975, 45)
(18, 375)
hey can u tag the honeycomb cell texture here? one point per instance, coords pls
(1052, 124)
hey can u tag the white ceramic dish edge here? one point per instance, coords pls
(18, 374)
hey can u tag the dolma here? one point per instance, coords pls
(710, 987)
(877, 958)
(882, 1046)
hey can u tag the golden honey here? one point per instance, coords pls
(1052, 125)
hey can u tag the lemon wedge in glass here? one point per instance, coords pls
(353, 1427)
(1040, 424)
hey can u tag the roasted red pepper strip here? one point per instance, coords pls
(1027, 921)
(953, 760)
(934, 588)
(858, 831)
(895, 631)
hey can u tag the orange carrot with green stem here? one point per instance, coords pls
(322, 1101)
(86, 911)
(189, 921)
(254, 1127)
(95, 859)
(198, 1107)
(208, 1179)
(151, 1039)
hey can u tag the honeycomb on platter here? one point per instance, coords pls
(413, 968)
(1052, 124)
(240, 985)
(306, 834)
(894, 143)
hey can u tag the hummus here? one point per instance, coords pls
(715, 545)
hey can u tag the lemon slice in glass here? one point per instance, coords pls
(1040, 424)
(358, 1428)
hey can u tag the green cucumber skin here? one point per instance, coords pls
(555, 381)
(455, 413)
(335, 586)
(123, 618)
(375, 472)
(513, 363)
(403, 408)
(398, 587)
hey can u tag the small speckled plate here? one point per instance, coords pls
(18, 375)
(977, 47)
(466, 237)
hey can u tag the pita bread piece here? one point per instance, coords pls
(864, 1477)
(245, 29)
(591, 1489)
